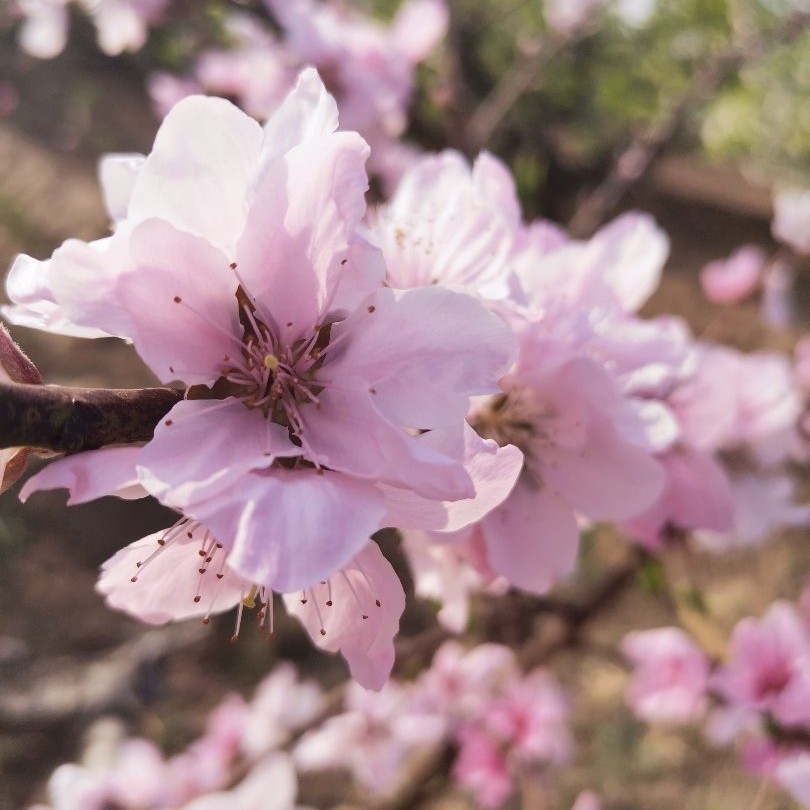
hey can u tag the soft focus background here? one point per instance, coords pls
(717, 145)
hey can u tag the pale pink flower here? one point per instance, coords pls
(281, 705)
(121, 25)
(482, 769)
(459, 683)
(697, 495)
(585, 453)
(669, 680)
(270, 785)
(791, 219)
(731, 280)
(450, 225)
(793, 775)
(43, 33)
(740, 401)
(763, 501)
(291, 322)
(373, 738)
(355, 611)
(530, 718)
(768, 666)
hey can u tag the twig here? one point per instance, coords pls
(522, 78)
(634, 162)
(68, 420)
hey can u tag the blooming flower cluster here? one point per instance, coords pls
(436, 365)
(502, 723)
(366, 65)
(757, 697)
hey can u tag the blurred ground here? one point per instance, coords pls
(52, 624)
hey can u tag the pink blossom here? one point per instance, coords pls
(697, 495)
(451, 225)
(793, 775)
(372, 739)
(669, 681)
(531, 718)
(121, 25)
(585, 452)
(768, 667)
(587, 800)
(791, 218)
(271, 785)
(763, 501)
(334, 370)
(282, 704)
(460, 682)
(481, 768)
(728, 281)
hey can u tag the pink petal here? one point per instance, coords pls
(28, 285)
(117, 174)
(182, 303)
(307, 205)
(167, 586)
(418, 27)
(199, 173)
(631, 252)
(348, 433)
(425, 352)
(532, 539)
(290, 528)
(307, 113)
(205, 446)
(90, 475)
(367, 601)
(728, 281)
(493, 470)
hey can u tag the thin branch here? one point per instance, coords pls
(635, 161)
(68, 420)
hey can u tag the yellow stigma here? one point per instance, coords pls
(271, 361)
(250, 600)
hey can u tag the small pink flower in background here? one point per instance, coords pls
(793, 775)
(372, 739)
(763, 501)
(482, 768)
(768, 666)
(670, 676)
(791, 220)
(731, 280)
(121, 25)
(271, 785)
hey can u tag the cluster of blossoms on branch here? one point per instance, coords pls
(754, 693)
(434, 365)
(500, 725)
